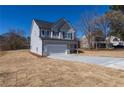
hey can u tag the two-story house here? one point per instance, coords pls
(48, 38)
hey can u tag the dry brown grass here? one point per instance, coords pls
(2, 53)
(20, 68)
(109, 53)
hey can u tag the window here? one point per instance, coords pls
(67, 35)
(55, 33)
(70, 35)
(43, 33)
(47, 33)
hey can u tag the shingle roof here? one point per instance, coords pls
(62, 20)
(48, 25)
(43, 24)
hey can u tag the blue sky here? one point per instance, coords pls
(20, 17)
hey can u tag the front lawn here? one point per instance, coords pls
(20, 68)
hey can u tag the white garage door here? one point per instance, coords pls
(54, 48)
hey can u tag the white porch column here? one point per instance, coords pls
(59, 35)
(51, 34)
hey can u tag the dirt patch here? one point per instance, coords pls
(20, 68)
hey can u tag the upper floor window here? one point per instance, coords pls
(70, 35)
(67, 35)
(47, 33)
(55, 33)
(43, 32)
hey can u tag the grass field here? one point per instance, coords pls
(108, 53)
(2, 53)
(20, 68)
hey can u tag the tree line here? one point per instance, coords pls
(111, 23)
(13, 40)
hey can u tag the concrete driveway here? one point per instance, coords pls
(113, 62)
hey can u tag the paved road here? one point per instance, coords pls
(113, 62)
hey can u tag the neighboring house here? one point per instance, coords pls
(84, 42)
(49, 38)
(115, 41)
(96, 38)
(101, 42)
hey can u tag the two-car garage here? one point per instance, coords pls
(55, 48)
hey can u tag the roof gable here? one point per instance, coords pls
(60, 25)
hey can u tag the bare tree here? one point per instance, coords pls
(92, 24)
(13, 40)
(102, 24)
(87, 26)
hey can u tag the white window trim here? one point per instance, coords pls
(67, 36)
